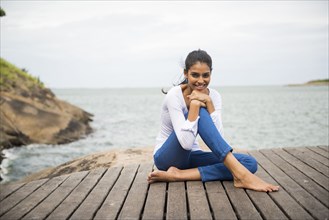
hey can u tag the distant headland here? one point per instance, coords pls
(31, 113)
(318, 82)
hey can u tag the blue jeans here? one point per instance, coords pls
(209, 164)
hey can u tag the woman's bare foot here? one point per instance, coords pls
(251, 181)
(243, 178)
(170, 175)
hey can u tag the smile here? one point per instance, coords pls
(203, 86)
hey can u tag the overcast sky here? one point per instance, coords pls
(101, 44)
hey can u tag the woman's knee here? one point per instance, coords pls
(159, 163)
(203, 112)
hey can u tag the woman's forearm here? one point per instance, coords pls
(210, 105)
(193, 112)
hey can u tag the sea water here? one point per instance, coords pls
(254, 117)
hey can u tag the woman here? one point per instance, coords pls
(189, 109)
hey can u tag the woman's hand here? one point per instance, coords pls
(203, 98)
(200, 96)
(197, 103)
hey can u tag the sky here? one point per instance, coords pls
(110, 44)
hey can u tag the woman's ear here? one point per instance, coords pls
(185, 73)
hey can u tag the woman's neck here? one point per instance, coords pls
(186, 90)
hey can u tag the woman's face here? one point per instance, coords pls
(198, 76)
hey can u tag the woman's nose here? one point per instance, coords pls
(200, 79)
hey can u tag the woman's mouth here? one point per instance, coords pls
(200, 87)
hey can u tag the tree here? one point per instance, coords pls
(2, 12)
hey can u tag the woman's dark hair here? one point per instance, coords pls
(191, 59)
(197, 56)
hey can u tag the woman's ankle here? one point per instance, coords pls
(238, 171)
(174, 173)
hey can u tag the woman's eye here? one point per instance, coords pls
(206, 75)
(194, 75)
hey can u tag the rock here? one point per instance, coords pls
(116, 157)
(31, 113)
(25, 121)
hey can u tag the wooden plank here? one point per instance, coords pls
(133, 206)
(19, 195)
(265, 205)
(318, 157)
(197, 201)
(155, 202)
(7, 189)
(56, 197)
(311, 204)
(242, 205)
(304, 168)
(95, 199)
(218, 201)
(264, 202)
(302, 193)
(34, 199)
(320, 151)
(111, 207)
(176, 204)
(307, 183)
(283, 200)
(325, 148)
(298, 153)
(67, 207)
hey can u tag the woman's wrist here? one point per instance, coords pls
(208, 100)
(210, 106)
(195, 103)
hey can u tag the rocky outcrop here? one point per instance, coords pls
(31, 113)
(25, 120)
(116, 157)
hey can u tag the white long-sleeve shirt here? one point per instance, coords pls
(173, 119)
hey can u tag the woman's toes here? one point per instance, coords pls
(154, 174)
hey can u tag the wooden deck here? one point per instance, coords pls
(123, 193)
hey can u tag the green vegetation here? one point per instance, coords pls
(11, 75)
(318, 81)
(2, 12)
